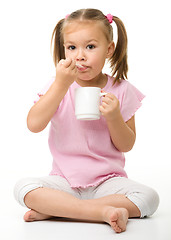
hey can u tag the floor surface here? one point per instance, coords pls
(13, 227)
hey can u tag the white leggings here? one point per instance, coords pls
(145, 198)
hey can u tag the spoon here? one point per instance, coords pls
(78, 65)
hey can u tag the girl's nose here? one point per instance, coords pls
(80, 56)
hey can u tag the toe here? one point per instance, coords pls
(28, 217)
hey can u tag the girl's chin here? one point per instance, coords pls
(86, 79)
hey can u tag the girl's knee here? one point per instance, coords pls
(24, 186)
(152, 201)
(146, 199)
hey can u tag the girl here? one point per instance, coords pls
(87, 181)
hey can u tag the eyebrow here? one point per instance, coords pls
(91, 40)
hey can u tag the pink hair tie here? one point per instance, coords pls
(109, 18)
(67, 16)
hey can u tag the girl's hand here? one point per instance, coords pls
(110, 107)
(66, 72)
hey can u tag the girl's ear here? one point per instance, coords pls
(111, 49)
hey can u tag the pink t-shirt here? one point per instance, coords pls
(82, 151)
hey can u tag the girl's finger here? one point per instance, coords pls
(61, 62)
(65, 62)
(106, 100)
(104, 105)
(73, 66)
(111, 96)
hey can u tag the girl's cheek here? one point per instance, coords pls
(69, 55)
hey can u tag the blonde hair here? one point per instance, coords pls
(118, 61)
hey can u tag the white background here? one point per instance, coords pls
(26, 65)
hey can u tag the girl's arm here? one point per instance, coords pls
(122, 134)
(42, 112)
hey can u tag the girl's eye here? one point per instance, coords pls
(90, 46)
(71, 47)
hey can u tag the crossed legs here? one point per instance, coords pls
(113, 209)
(113, 201)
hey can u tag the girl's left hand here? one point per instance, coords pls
(110, 107)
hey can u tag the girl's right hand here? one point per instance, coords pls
(43, 111)
(66, 72)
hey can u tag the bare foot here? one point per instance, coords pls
(117, 218)
(32, 215)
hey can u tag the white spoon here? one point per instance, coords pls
(78, 65)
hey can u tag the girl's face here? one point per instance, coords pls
(86, 43)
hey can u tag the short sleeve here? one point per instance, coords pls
(44, 89)
(131, 101)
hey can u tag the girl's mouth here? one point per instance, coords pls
(81, 67)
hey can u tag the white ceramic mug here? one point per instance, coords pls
(87, 102)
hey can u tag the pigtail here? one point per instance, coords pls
(118, 62)
(57, 39)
